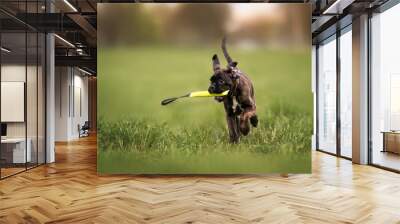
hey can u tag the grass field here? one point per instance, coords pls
(138, 135)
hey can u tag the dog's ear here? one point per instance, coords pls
(216, 64)
(231, 66)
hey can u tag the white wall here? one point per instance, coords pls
(13, 101)
(12, 73)
(80, 110)
(62, 82)
(71, 87)
(33, 127)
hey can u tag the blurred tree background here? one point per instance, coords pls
(125, 25)
(136, 24)
(201, 23)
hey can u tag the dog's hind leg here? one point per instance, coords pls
(244, 125)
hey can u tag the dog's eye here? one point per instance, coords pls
(221, 82)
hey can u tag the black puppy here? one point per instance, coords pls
(240, 105)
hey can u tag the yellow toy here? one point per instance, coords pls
(194, 94)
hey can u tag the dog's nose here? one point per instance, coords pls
(211, 89)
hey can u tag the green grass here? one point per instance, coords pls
(217, 163)
(137, 135)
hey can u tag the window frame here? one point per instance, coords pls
(333, 37)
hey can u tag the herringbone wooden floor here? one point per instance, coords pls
(70, 191)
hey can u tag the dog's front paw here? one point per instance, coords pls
(219, 99)
(254, 120)
(238, 110)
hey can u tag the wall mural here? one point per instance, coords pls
(204, 88)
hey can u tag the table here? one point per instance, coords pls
(13, 150)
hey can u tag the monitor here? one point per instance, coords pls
(3, 129)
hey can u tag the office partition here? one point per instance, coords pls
(15, 149)
(23, 88)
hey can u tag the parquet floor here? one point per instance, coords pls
(10, 171)
(69, 191)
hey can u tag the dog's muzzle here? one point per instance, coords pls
(211, 89)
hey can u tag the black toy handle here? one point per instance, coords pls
(168, 101)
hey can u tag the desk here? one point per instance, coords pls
(391, 141)
(13, 150)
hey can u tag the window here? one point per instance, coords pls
(327, 96)
(346, 93)
(385, 89)
(329, 111)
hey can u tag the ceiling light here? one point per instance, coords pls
(79, 51)
(331, 7)
(84, 71)
(5, 50)
(65, 41)
(70, 5)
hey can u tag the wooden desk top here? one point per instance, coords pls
(13, 140)
(391, 132)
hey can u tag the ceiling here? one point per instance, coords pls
(75, 22)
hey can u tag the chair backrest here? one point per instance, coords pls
(86, 125)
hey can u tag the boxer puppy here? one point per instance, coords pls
(239, 104)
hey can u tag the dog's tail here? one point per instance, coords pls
(227, 57)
